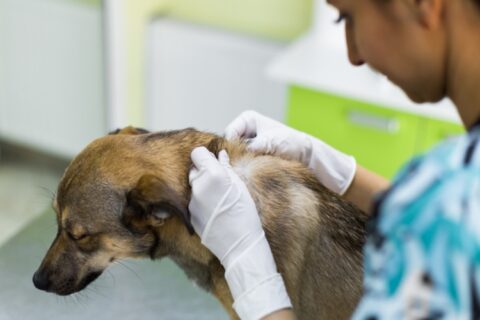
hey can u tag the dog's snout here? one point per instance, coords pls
(41, 281)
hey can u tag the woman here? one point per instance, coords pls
(422, 249)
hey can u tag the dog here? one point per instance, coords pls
(126, 195)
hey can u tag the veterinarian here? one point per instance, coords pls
(422, 256)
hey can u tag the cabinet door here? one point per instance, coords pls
(226, 77)
(381, 139)
(52, 95)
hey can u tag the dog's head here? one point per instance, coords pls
(118, 198)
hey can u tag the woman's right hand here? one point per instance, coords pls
(332, 168)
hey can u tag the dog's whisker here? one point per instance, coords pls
(128, 268)
(94, 289)
(51, 194)
(112, 277)
(84, 297)
(76, 300)
(57, 299)
(68, 300)
(71, 299)
(97, 285)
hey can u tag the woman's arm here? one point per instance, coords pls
(364, 187)
(286, 314)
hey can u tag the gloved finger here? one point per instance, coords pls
(261, 143)
(193, 174)
(203, 159)
(244, 126)
(224, 159)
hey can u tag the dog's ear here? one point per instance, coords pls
(130, 130)
(152, 201)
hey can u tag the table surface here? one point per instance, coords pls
(141, 289)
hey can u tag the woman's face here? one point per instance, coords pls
(403, 39)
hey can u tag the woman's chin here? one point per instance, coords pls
(421, 95)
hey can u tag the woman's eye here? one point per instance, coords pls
(342, 17)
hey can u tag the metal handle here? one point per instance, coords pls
(371, 121)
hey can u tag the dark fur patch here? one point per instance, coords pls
(216, 145)
(156, 242)
(92, 276)
(130, 130)
(167, 134)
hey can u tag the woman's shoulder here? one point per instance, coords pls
(443, 179)
(457, 152)
(452, 154)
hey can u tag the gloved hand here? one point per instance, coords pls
(334, 169)
(225, 217)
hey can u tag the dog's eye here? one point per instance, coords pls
(77, 237)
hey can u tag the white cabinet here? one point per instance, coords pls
(51, 74)
(203, 77)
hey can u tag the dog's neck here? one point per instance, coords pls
(187, 252)
(174, 239)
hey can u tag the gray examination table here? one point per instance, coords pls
(142, 290)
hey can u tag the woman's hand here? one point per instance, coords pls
(225, 217)
(332, 168)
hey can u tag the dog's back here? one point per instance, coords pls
(316, 237)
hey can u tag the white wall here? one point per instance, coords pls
(203, 77)
(51, 74)
(325, 29)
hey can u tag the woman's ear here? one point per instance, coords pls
(152, 201)
(429, 12)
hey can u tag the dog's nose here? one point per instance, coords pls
(40, 280)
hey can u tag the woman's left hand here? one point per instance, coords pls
(225, 217)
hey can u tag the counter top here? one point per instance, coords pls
(314, 64)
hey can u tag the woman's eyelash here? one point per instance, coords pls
(341, 17)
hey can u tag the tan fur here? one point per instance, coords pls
(121, 184)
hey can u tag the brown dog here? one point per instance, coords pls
(127, 195)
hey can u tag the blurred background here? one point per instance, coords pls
(73, 70)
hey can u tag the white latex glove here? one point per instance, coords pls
(225, 217)
(334, 169)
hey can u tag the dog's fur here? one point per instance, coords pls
(127, 194)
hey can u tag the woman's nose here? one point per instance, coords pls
(355, 59)
(353, 53)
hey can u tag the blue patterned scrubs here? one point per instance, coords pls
(422, 256)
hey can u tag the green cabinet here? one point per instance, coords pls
(435, 131)
(381, 139)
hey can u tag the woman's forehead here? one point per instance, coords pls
(337, 3)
